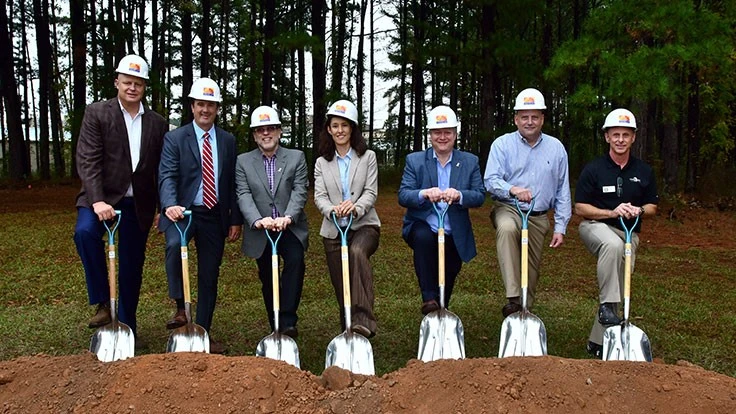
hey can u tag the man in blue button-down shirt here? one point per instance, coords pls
(526, 164)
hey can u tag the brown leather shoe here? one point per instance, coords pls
(430, 306)
(510, 308)
(216, 347)
(102, 316)
(178, 320)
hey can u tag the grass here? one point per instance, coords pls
(683, 298)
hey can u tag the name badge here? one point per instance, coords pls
(609, 189)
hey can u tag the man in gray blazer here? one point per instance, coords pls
(271, 185)
(196, 173)
(117, 160)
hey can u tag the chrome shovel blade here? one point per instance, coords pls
(189, 338)
(113, 342)
(351, 351)
(522, 334)
(441, 336)
(279, 347)
(626, 342)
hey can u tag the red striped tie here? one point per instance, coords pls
(209, 196)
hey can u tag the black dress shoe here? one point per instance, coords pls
(429, 306)
(362, 330)
(607, 314)
(290, 331)
(510, 308)
(178, 320)
(595, 350)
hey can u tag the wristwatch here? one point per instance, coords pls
(641, 211)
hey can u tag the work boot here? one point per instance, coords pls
(102, 316)
(607, 314)
(430, 306)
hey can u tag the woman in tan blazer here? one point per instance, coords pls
(346, 183)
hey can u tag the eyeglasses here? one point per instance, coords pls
(619, 186)
(264, 129)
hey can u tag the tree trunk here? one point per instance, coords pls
(338, 38)
(487, 104)
(693, 133)
(19, 166)
(186, 64)
(417, 71)
(79, 68)
(43, 45)
(57, 125)
(319, 83)
(372, 98)
(402, 146)
(670, 159)
(360, 67)
(142, 26)
(269, 34)
(204, 38)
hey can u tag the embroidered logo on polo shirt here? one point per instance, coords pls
(635, 180)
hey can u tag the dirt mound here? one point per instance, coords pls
(200, 383)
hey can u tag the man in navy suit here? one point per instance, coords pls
(441, 175)
(118, 154)
(197, 173)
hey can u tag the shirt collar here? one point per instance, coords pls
(348, 155)
(199, 132)
(525, 142)
(140, 107)
(449, 160)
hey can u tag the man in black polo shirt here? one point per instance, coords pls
(614, 185)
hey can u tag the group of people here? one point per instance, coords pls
(128, 161)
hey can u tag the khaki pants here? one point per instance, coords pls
(607, 243)
(507, 222)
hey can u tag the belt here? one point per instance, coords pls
(535, 213)
(203, 209)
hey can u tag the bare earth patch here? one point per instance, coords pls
(201, 383)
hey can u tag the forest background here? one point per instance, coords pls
(670, 62)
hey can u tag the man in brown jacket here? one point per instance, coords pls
(118, 154)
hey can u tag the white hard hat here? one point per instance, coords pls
(264, 115)
(441, 117)
(529, 98)
(133, 65)
(205, 89)
(344, 109)
(620, 118)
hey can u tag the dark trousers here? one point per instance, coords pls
(362, 243)
(131, 247)
(426, 264)
(209, 239)
(291, 280)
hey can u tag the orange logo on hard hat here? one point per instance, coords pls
(134, 67)
(528, 100)
(208, 91)
(624, 119)
(264, 118)
(441, 119)
(340, 108)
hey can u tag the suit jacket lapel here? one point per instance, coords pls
(455, 168)
(430, 163)
(354, 163)
(221, 150)
(191, 141)
(145, 138)
(119, 129)
(257, 165)
(280, 168)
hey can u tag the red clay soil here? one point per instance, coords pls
(201, 383)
